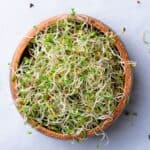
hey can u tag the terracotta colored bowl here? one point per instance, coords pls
(127, 69)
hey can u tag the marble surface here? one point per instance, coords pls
(16, 18)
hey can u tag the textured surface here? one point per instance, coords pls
(128, 132)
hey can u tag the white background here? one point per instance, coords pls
(16, 18)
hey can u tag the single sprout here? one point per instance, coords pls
(146, 37)
(35, 27)
(98, 146)
(130, 115)
(138, 2)
(133, 64)
(71, 79)
(29, 132)
(127, 113)
(149, 136)
(73, 12)
(31, 5)
(123, 29)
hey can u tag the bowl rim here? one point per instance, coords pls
(121, 49)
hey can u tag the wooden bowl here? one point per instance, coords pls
(120, 47)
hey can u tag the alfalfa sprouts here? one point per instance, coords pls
(71, 78)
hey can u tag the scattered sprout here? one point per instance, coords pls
(35, 27)
(29, 132)
(133, 63)
(123, 30)
(127, 113)
(98, 146)
(138, 2)
(130, 115)
(31, 5)
(73, 12)
(149, 136)
(146, 37)
(72, 78)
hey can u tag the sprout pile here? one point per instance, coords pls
(71, 77)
